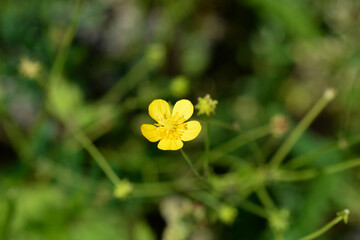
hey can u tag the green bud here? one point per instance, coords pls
(206, 105)
(279, 220)
(227, 214)
(123, 189)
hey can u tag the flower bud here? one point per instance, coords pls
(206, 105)
(227, 214)
(279, 125)
(123, 189)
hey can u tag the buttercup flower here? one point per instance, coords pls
(171, 128)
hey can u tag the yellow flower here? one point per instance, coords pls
(171, 128)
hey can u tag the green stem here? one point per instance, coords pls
(63, 51)
(191, 166)
(207, 149)
(265, 198)
(5, 232)
(311, 173)
(18, 140)
(253, 208)
(308, 158)
(351, 91)
(341, 216)
(96, 154)
(285, 148)
(342, 166)
(238, 141)
(138, 73)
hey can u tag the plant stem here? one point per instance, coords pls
(18, 140)
(342, 166)
(239, 141)
(285, 148)
(311, 173)
(188, 161)
(341, 216)
(253, 208)
(265, 198)
(207, 149)
(132, 78)
(63, 51)
(5, 232)
(96, 154)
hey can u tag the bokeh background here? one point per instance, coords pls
(258, 58)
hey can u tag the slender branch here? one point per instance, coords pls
(285, 148)
(253, 208)
(307, 174)
(309, 157)
(63, 51)
(95, 153)
(265, 198)
(207, 149)
(191, 166)
(341, 216)
(239, 141)
(5, 231)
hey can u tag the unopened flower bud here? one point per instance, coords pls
(227, 214)
(123, 189)
(330, 94)
(279, 220)
(279, 125)
(206, 105)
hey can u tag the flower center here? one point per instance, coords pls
(169, 129)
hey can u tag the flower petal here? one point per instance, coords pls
(182, 111)
(150, 132)
(159, 110)
(170, 144)
(192, 130)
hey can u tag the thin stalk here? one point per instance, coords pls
(265, 198)
(138, 73)
(342, 166)
(96, 154)
(5, 232)
(285, 148)
(207, 149)
(239, 141)
(63, 51)
(312, 173)
(18, 140)
(346, 116)
(253, 208)
(308, 158)
(341, 216)
(191, 166)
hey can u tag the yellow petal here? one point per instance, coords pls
(170, 144)
(159, 110)
(182, 111)
(192, 130)
(150, 132)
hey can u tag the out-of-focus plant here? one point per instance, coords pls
(71, 113)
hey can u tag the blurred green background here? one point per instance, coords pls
(97, 65)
